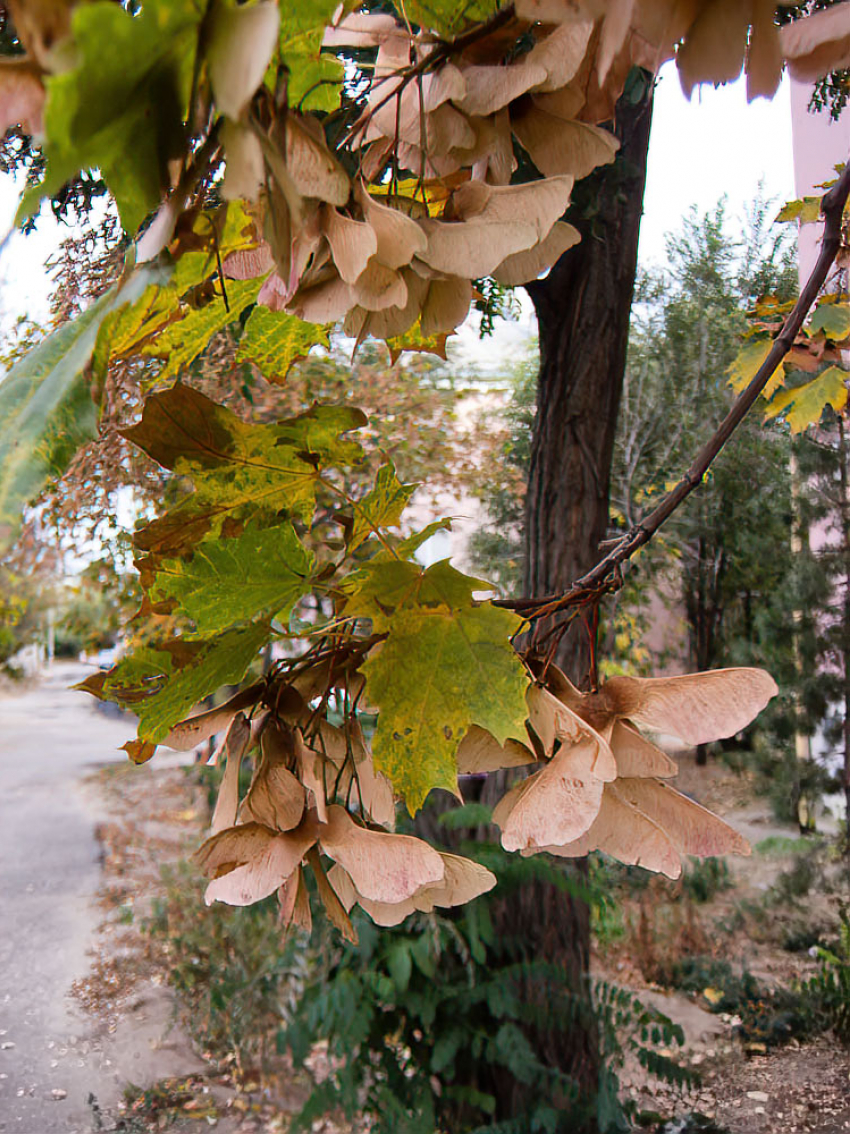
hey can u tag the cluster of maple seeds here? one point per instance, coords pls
(392, 257)
(600, 786)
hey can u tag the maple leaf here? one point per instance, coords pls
(182, 341)
(440, 671)
(315, 81)
(803, 405)
(381, 507)
(384, 584)
(274, 341)
(746, 365)
(833, 319)
(121, 110)
(261, 572)
(161, 684)
(239, 471)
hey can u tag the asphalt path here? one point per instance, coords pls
(50, 739)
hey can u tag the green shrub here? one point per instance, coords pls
(771, 1016)
(236, 973)
(704, 878)
(829, 989)
(426, 1021)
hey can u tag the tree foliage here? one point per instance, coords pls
(278, 170)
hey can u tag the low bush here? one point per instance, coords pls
(426, 1026)
(237, 974)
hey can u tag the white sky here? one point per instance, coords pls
(717, 144)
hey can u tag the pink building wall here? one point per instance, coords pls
(819, 144)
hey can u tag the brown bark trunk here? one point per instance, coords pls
(583, 310)
(844, 476)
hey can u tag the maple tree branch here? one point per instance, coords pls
(602, 576)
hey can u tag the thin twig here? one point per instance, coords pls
(597, 579)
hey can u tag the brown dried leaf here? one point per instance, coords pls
(764, 54)
(561, 53)
(464, 880)
(488, 89)
(698, 707)
(295, 902)
(627, 835)
(636, 756)
(352, 243)
(195, 730)
(526, 266)
(383, 867)
(817, 44)
(552, 721)
(249, 862)
(42, 26)
(227, 804)
(311, 772)
(326, 302)
(556, 805)
(333, 906)
(313, 167)
(382, 913)
(690, 827)
(21, 96)
(379, 287)
(445, 307)
(479, 751)
(559, 145)
(238, 47)
(361, 29)
(494, 222)
(398, 237)
(276, 798)
(713, 51)
(245, 171)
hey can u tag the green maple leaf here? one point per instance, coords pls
(162, 685)
(220, 231)
(386, 584)
(438, 672)
(315, 79)
(121, 107)
(448, 17)
(804, 405)
(380, 508)
(274, 341)
(128, 327)
(833, 319)
(261, 572)
(745, 367)
(408, 547)
(182, 342)
(239, 471)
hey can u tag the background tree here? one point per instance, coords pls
(303, 244)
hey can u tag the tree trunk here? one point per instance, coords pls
(583, 310)
(844, 478)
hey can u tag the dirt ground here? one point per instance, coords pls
(156, 814)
